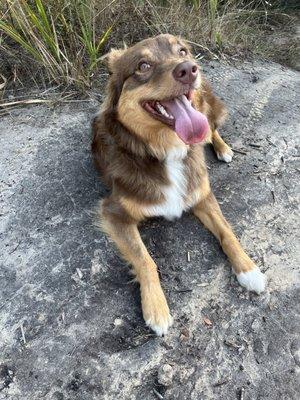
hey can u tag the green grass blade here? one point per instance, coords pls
(104, 38)
(47, 36)
(15, 35)
(43, 15)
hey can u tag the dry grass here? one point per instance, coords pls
(60, 37)
(62, 41)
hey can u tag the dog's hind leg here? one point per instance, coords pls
(122, 229)
(223, 151)
(248, 274)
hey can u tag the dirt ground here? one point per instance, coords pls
(70, 321)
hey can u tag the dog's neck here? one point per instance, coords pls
(133, 144)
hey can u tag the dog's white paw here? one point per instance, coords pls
(155, 308)
(160, 326)
(253, 280)
(226, 156)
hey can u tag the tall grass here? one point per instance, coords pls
(63, 40)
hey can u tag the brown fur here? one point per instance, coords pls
(130, 148)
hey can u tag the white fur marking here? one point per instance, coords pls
(161, 329)
(175, 192)
(227, 157)
(253, 280)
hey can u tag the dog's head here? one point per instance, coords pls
(151, 87)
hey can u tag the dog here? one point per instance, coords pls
(148, 141)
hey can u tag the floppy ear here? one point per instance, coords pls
(111, 59)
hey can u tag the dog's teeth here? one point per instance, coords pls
(162, 110)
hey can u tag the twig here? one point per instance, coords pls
(158, 395)
(188, 256)
(203, 47)
(255, 145)
(15, 248)
(231, 344)
(55, 100)
(220, 383)
(183, 290)
(2, 85)
(242, 393)
(270, 142)
(240, 151)
(273, 195)
(30, 101)
(23, 333)
(101, 11)
(203, 284)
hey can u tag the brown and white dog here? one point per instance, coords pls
(148, 144)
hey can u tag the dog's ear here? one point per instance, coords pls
(111, 59)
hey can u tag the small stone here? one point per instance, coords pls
(118, 322)
(165, 375)
(256, 325)
(207, 322)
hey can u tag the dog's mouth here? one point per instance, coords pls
(178, 113)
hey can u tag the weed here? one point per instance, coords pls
(64, 43)
(63, 40)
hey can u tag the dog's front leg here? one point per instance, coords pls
(124, 232)
(223, 151)
(248, 274)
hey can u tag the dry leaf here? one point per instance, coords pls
(183, 338)
(185, 334)
(207, 321)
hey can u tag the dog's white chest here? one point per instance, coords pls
(175, 193)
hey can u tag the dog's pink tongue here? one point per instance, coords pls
(190, 125)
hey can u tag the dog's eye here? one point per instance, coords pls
(183, 52)
(144, 66)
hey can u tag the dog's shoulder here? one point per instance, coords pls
(124, 161)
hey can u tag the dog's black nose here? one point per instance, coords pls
(186, 72)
